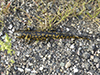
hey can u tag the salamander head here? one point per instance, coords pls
(17, 33)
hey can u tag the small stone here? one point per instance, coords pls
(91, 57)
(40, 45)
(27, 10)
(72, 46)
(13, 30)
(2, 73)
(61, 64)
(18, 53)
(86, 55)
(15, 68)
(90, 32)
(48, 45)
(98, 65)
(27, 69)
(24, 59)
(77, 10)
(50, 4)
(6, 62)
(80, 44)
(44, 58)
(57, 71)
(33, 71)
(75, 70)
(20, 69)
(91, 72)
(27, 55)
(98, 39)
(41, 68)
(88, 7)
(32, 74)
(87, 65)
(10, 32)
(13, 40)
(10, 26)
(99, 28)
(96, 59)
(60, 42)
(96, 73)
(67, 29)
(72, 73)
(68, 64)
(30, 64)
(1, 33)
(3, 37)
(49, 56)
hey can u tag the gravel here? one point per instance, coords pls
(54, 57)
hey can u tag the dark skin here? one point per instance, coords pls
(43, 35)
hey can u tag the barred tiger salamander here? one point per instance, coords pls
(43, 35)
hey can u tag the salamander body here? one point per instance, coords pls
(43, 35)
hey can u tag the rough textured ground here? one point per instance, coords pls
(57, 57)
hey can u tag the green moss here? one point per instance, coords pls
(12, 61)
(6, 45)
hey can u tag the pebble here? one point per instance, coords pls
(72, 46)
(48, 45)
(24, 59)
(53, 11)
(92, 57)
(10, 26)
(20, 69)
(67, 29)
(72, 73)
(10, 32)
(90, 73)
(98, 40)
(49, 56)
(32, 74)
(60, 42)
(33, 71)
(27, 55)
(27, 10)
(27, 70)
(68, 64)
(75, 70)
(86, 55)
(3, 37)
(77, 10)
(50, 4)
(98, 65)
(87, 65)
(80, 44)
(99, 28)
(96, 59)
(1, 33)
(16, 68)
(6, 63)
(30, 64)
(18, 53)
(61, 64)
(41, 68)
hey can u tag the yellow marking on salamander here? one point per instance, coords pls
(42, 34)
(35, 35)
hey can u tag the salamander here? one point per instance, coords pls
(43, 35)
